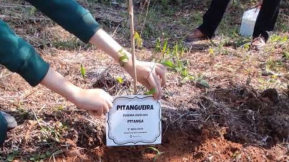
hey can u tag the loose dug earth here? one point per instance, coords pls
(236, 124)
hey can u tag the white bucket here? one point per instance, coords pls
(248, 22)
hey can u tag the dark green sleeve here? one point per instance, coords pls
(20, 57)
(70, 15)
(3, 129)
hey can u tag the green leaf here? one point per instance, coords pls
(154, 149)
(10, 158)
(123, 59)
(168, 51)
(179, 69)
(151, 92)
(60, 108)
(42, 156)
(158, 45)
(286, 55)
(211, 51)
(136, 35)
(169, 64)
(203, 83)
(184, 72)
(284, 39)
(119, 80)
(82, 71)
(121, 52)
(182, 50)
(176, 50)
(246, 46)
(187, 79)
(187, 62)
(275, 38)
(138, 39)
(32, 11)
(48, 153)
(165, 46)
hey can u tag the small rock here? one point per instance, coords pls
(205, 134)
(185, 159)
(270, 156)
(211, 158)
(266, 73)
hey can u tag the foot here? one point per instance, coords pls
(258, 43)
(196, 35)
(11, 122)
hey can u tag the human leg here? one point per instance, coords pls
(267, 18)
(211, 21)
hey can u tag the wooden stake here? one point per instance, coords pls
(130, 9)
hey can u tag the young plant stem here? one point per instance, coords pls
(132, 43)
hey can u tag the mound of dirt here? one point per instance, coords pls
(110, 84)
(248, 116)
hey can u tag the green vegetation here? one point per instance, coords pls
(158, 153)
(82, 71)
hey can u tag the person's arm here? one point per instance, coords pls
(19, 56)
(95, 100)
(151, 75)
(69, 15)
(78, 21)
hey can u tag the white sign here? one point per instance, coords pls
(134, 120)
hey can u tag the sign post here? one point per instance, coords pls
(132, 43)
(134, 120)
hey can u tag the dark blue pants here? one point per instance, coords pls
(265, 22)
